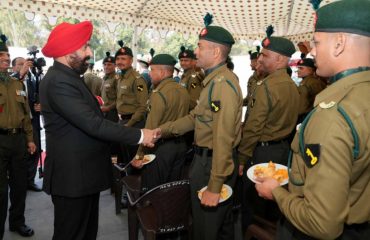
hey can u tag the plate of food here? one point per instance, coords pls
(225, 193)
(270, 169)
(148, 158)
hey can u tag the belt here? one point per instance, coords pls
(269, 143)
(200, 150)
(11, 131)
(179, 139)
(125, 116)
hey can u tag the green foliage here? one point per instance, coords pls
(24, 33)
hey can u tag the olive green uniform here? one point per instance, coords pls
(168, 102)
(94, 83)
(251, 87)
(192, 81)
(216, 121)
(132, 97)
(272, 117)
(109, 95)
(329, 183)
(15, 132)
(308, 89)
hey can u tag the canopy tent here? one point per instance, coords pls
(245, 19)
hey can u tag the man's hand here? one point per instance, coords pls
(137, 163)
(31, 147)
(210, 199)
(149, 138)
(25, 68)
(265, 187)
(37, 107)
(104, 109)
(157, 133)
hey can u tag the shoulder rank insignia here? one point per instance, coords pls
(327, 105)
(140, 88)
(215, 106)
(193, 85)
(311, 154)
(259, 82)
(193, 75)
(219, 79)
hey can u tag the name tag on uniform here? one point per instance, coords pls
(107, 85)
(124, 87)
(21, 93)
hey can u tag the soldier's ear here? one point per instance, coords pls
(340, 40)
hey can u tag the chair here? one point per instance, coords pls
(163, 209)
(261, 229)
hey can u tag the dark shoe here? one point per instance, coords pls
(23, 230)
(34, 187)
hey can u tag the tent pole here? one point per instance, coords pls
(134, 46)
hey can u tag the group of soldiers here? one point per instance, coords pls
(323, 138)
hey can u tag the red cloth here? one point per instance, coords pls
(100, 100)
(67, 38)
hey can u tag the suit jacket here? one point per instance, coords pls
(77, 136)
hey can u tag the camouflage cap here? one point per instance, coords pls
(163, 59)
(344, 16)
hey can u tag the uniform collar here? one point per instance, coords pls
(346, 73)
(277, 74)
(5, 77)
(126, 72)
(111, 75)
(163, 83)
(214, 72)
(210, 70)
(339, 89)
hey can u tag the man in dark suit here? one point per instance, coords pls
(77, 165)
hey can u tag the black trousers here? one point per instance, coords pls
(168, 165)
(33, 159)
(13, 172)
(252, 204)
(76, 218)
(128, 152)
(210, 223)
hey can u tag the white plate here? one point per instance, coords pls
(151, 157)
(229, 193)
(250, 172)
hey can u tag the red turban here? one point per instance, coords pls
(67, 38)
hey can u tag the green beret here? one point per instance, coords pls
(3, 47)
(344, 16)
(186, 53)
(163, 59)
(306, 62)
(280, 45)
(109, 58)
(124, 51)
(217, 34)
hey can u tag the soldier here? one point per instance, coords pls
(168, 102)
(132, 97)
(309, 87)
(216, 121)
(272, 117)
(109, 89)
(328, 196)
(252, 81)
(192, 77)
(93, 82)
(15, 139)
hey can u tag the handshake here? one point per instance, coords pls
(151, 136)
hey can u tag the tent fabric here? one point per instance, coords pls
(245, 19)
